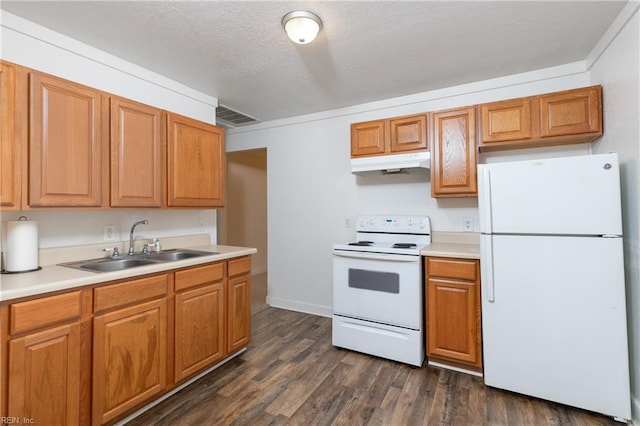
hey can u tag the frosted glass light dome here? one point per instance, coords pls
(302, 27)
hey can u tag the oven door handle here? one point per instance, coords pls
(376, 256)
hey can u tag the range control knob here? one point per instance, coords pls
(410, 222)
(372, 221)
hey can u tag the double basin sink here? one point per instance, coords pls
(111, 264)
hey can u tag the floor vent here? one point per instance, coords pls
(228, 117)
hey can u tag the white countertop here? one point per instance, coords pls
(55, 278)
(464, 245)
(465, 251)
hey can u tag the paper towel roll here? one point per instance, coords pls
(21, 251)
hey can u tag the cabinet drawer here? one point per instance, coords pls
(114, 295)
(47, 310)
(452, 268)
(240, 266)
(200, 275)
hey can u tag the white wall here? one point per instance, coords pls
(617, 68)
(26, 43)
(36, 47)
(312, 191)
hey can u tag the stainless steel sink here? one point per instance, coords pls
(115, 264)
(125, 261)
(170, 255)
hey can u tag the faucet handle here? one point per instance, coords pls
(115, 252)
(145, 249)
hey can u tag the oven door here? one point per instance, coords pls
(385, 288)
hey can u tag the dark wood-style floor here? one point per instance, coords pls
(291, 374)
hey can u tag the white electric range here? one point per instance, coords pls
(378, 293)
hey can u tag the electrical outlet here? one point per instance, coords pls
(347, 222)
(467, 224)
(109, 233)
(201, 225)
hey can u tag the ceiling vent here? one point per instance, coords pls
(230, 118)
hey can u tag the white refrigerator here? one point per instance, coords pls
(554, 321)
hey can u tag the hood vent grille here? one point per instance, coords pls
(230, 118)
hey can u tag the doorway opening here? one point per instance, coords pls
(243, 221)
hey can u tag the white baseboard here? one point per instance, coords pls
(294, 305)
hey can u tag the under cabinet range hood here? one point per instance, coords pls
(396, 163)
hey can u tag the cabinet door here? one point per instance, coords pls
(10, 161)
(136, 154)
(452, 325)
(571, 112)
(368, 138)
(239, 312)
(453, 166)
(65, 144)
(129, 358)
(199, 329)
(195, 163)
(44, 380)
(408, 133)
(506, 121)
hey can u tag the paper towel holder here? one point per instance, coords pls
(21, 218)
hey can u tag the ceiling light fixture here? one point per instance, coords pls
(301, 26)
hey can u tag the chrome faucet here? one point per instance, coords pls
(140, 222)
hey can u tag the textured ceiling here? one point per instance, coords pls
(238, 52)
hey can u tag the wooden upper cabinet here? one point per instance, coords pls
(136, 154)
(389, 136)
(408, 133)
(571, 112)
(10, 147)
(453, 161)
(67, 144)
(195, 163)
(559, 118)
(368, 138)
(506, 121)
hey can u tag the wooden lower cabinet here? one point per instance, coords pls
(43, 361)
(453, 311)
(199, 320)
(44, 370)
(129, 358)
(239, 304)
(93, 356)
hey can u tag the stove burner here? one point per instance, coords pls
(362, 243)
(404, 245)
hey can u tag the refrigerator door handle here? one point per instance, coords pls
(485, 206)
(487, 267)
